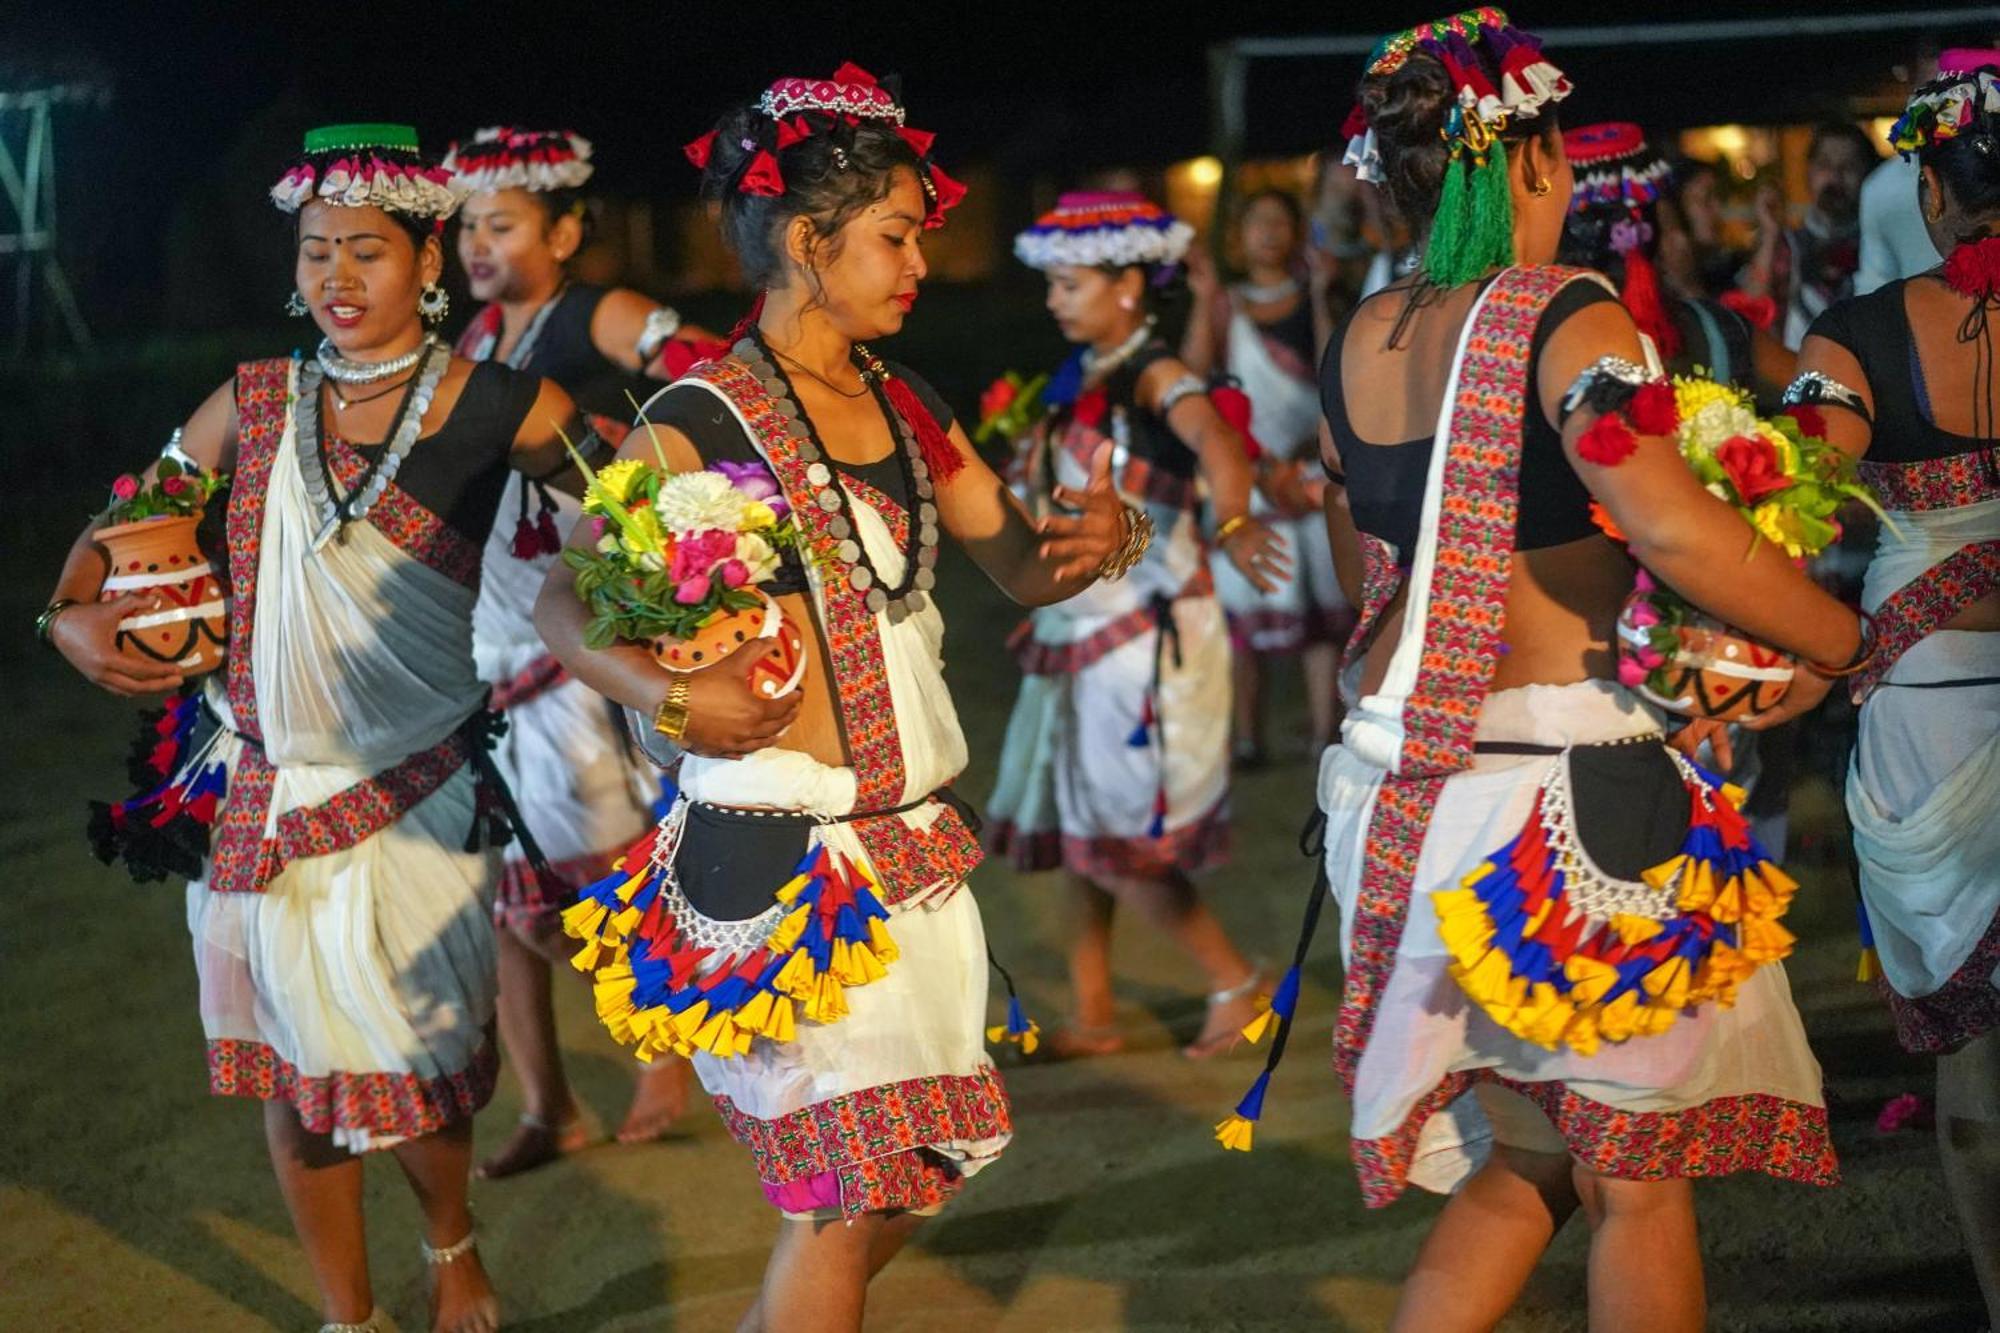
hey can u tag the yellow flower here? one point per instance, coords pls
(1788, 453)
(616, 482)
(1778, 526)
(642, 534)
(757, 514)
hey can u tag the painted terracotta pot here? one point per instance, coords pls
(1710, 670)
(159, 557)
(762, 629)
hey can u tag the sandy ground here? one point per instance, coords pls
(131, 1200)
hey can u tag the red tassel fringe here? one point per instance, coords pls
(940, 454)
(1643, 298)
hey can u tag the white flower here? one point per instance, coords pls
(1717, 421)
(699, 502)
(757, 555)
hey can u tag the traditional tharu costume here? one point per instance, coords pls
(803, 931)
(1556, 932)
(1921, 792)
(325, 790)
(1116, 761)
(584, 790)
(1276, 369)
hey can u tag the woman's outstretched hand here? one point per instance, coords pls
(1082, 542)
(1259, 555)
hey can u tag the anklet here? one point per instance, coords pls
(1239, 990)
(450, 1254)
(372, 1324)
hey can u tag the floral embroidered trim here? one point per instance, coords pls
(1910, 613)
(402, 1105)
(244, 860)
(1381, 580)
(854, 648)
(418, 532)
(1965, 1007)
(1935, 483)
(263, 405)
(1755, 1132)
(1192, 848)
(909, 862)
(1140, 478)
(869, 1124)
(893, 515)
(1066, 659)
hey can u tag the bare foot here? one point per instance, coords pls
(1223, 1028)
(462, 1299)
(534, 1143)
(1077, 1041)
(658, 1099)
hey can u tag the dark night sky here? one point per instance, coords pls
(212, 97)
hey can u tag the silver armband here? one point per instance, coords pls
(1604, 370)
(1816, 388)
(1187, 386)
(178, 455)
(663, 323)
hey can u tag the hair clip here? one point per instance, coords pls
(839, 157)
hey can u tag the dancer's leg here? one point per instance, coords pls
(528, 1035)
(1094, 1030)
(1645, 1258)
(1486, 1242)
(1320, 664)
(1246, 679)
(322, 1188)
(818, 1274)
(1171, 904)
(438, 1167)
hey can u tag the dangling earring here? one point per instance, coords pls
(1128, 303)
(296, 305)
(1540, 187)
(434, 303)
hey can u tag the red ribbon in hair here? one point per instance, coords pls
(763, 177)
(701, 150)
(1356, 122)
(919, 140)
(949, 194)
(793, 130)
(849, 72)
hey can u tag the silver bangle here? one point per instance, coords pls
(1816, 388)
(1604, 368)
(1187, 386)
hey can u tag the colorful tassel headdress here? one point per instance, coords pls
(503, 157)
(1961, 100)
(1613, 210)
(1092, 229)
(796, 109)
(358, 166)
(1501, 78)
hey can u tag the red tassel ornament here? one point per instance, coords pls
(1642, 296)
(941, 456)
(1973, 269)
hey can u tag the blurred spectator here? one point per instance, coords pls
(1807, 268)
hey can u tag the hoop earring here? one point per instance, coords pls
(434, 304)
(1540, 187)
(295, 305)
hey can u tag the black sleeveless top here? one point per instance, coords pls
(1701, 323)
(563, 352)
(1294, 330)
(1147, 435)
(459, 470)
(1875, 328)
(1385, 483)
(720, 438)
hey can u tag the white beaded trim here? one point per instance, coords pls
(1588, 890)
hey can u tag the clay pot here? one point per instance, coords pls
(158, 556)
(763, 628)
(1713, 672)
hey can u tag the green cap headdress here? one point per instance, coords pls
(355, 166)
(1501, 76)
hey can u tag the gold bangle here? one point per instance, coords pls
(670, 719)
(1231, 528)
(1131, 547)
(45, 623)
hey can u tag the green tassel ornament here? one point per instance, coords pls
(1473, 232)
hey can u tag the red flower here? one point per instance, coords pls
(126, 487)
(1652, 410)
(999, 396)
(1760, 311)
(1090, 408)
(1811, 420)
(1973, 269)
(1608, 442)
(1752, 465)
(176, 485)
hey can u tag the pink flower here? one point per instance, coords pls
(1648, 656)
(734, 573)
(1903, 1112)
(176, 485)
(697, 556)
(126, 487)
(1643, 614)
(1630, 673)
(1644, 581)
(597, 526)
(692, 590)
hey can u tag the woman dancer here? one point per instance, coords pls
(1116, 763)
(343, 930)
(1905, 378)
(872, 1103)
(1260, 332)
(1597, 1063)
(585, 793)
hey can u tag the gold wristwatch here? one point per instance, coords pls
(670, 719)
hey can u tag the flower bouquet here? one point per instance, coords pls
(150, 545)
(1787, 482)
(678, 563)
(1011, 407)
